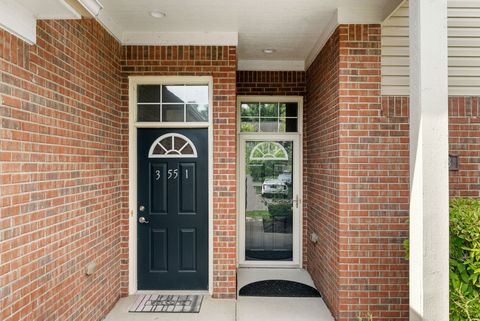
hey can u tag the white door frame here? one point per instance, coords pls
(133, 125)
(297, 139)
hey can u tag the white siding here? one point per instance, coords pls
(463, 43)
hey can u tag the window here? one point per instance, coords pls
(172, 103)
(172, 146)
(269, 117)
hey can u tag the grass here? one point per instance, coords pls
(258, 214)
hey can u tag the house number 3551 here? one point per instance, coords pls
(171, 174)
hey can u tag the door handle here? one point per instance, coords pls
(142, 220)
(296, 201)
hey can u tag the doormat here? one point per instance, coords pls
(269, 255)
(278, 288)
(155, 303)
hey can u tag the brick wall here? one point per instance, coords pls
(464, 141)
(373, 184)
(362, 180)
(220, 63)
(322, 160)
(274, 83)
(60, 168)
(358, 149)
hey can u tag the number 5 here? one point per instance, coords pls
(172, 172)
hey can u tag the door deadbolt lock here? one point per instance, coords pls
(142, 220)
(141, 208)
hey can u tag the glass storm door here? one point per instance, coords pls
(269, 200)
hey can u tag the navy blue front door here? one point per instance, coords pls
(172, 209)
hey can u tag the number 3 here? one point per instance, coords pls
(157, 174)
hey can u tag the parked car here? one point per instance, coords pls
(274, 187)
(285, 177)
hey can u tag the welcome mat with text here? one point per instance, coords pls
(157, 303)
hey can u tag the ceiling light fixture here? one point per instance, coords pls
(157, 14)
(268, 51)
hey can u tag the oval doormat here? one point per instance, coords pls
(278, 288)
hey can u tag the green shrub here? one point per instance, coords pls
(464, 259)
(280, 209)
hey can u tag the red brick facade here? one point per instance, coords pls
(271, 83)
(357, 166)
(221, 64)
(61, 173)
(64, 168)
(358, 170)
(322, 167)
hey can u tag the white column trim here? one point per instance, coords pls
(429, 191)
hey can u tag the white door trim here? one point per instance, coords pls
(132, 167)
(297, 138)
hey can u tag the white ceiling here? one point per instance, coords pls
(296, 29)
(291, 27)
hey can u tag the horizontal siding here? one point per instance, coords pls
(463, 50)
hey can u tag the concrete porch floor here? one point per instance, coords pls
(244, 308)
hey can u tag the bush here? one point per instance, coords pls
(464, 259)
(280, 210)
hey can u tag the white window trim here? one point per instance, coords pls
(296, 137)
(134, 81)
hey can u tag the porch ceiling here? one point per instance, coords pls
(296, 29)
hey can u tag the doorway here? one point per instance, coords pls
(270, 182)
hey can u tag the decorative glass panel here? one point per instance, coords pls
(172, 103)
(268, 151)
(269, 125)
(269, 117)
(172, 146)
(196, 113)
(196, 94)
(269, 201)
(249, 124)
(148, 94)
(269, 110)
(250, 110)
(172, 113)
(173, 94)
(148, 113)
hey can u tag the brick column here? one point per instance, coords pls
(373, 184)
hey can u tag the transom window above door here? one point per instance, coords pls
(172, 103)
(279, 117)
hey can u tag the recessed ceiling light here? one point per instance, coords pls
(268, 51)
(157, 14)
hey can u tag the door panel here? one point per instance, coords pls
(158, 246)
(173, 194)
(187, 249)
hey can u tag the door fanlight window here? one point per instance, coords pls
(172, 146)
(268, 151)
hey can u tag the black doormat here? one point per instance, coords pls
(278, 288)
(268, 255)
(154, 303)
